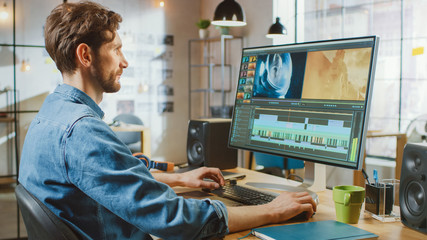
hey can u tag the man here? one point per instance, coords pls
(75, 164)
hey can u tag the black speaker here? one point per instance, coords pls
(413, 187)
(207, 144)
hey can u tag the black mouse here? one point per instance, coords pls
(302, 216)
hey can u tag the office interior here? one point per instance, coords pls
(160, 41)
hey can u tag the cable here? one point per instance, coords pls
(164, 166)
(300, 179)
(366, 176)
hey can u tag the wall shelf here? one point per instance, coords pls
(210, 75)
(7, 119)
(7, 180)
(8, 135)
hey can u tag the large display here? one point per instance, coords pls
(308, 101)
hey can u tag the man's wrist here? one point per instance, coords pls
(179, 180)
(171, 179)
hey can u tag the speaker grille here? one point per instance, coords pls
(414, 198)
(413, 187)
(196, 154)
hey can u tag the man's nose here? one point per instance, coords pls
(124, 63)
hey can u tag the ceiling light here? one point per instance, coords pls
(3, 12)
(277, 30)
(229, 13)
(25, 67)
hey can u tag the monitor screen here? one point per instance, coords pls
(308, 101)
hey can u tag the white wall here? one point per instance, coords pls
(142, 18)
(169, 130)
(141, 24)
(178, 18)
(258, 18)
(170, 138)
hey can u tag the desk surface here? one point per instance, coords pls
(325, 211)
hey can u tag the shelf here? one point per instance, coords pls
(210, 65)
(210, 90)
(213, 39)
(205, 84)
(202, 90)
(6, 119)
(7, 180)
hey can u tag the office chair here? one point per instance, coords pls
(39, 221)
(417, 129)
(131, 139)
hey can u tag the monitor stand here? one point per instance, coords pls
(314, 181)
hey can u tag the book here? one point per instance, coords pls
(321, 230)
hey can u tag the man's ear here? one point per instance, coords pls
(84, 55)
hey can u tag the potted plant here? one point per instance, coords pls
(203, 24)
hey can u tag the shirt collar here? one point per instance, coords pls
(79, 96)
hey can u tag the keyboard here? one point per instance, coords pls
(244, 195)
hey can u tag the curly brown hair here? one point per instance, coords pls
(71, 24)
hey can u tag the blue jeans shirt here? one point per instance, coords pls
(75, 164)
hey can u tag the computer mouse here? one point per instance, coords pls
(302, 216)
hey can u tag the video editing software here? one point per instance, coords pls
(308, 101)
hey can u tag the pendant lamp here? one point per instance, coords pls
(3, 12)
(276, 30)
(229, 13)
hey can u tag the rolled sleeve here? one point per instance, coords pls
(217, 228)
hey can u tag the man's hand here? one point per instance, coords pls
(290, 204)
(284, 207)
(193, 179)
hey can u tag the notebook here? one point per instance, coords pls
(322, 230)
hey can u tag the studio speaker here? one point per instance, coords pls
(413, 187)
(207, 144)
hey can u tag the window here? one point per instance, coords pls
(401, 76)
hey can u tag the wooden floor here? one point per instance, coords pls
(8, 214)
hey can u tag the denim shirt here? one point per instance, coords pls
(75, 164)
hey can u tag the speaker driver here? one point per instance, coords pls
(413, 162)
(414, 195)
(196, 154)
(194, 131)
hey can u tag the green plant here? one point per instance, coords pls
(203, 23)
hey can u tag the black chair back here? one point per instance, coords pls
(39, 221)
(128, 137)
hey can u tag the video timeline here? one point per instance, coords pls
(303, 132)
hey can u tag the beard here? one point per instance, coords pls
(106, 80)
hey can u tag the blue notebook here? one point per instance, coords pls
(321, 230)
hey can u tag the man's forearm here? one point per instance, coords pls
(194, 179)
(247, 217)
(171, 179)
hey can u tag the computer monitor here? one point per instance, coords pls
(308, 101)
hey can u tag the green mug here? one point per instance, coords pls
(348, 202)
